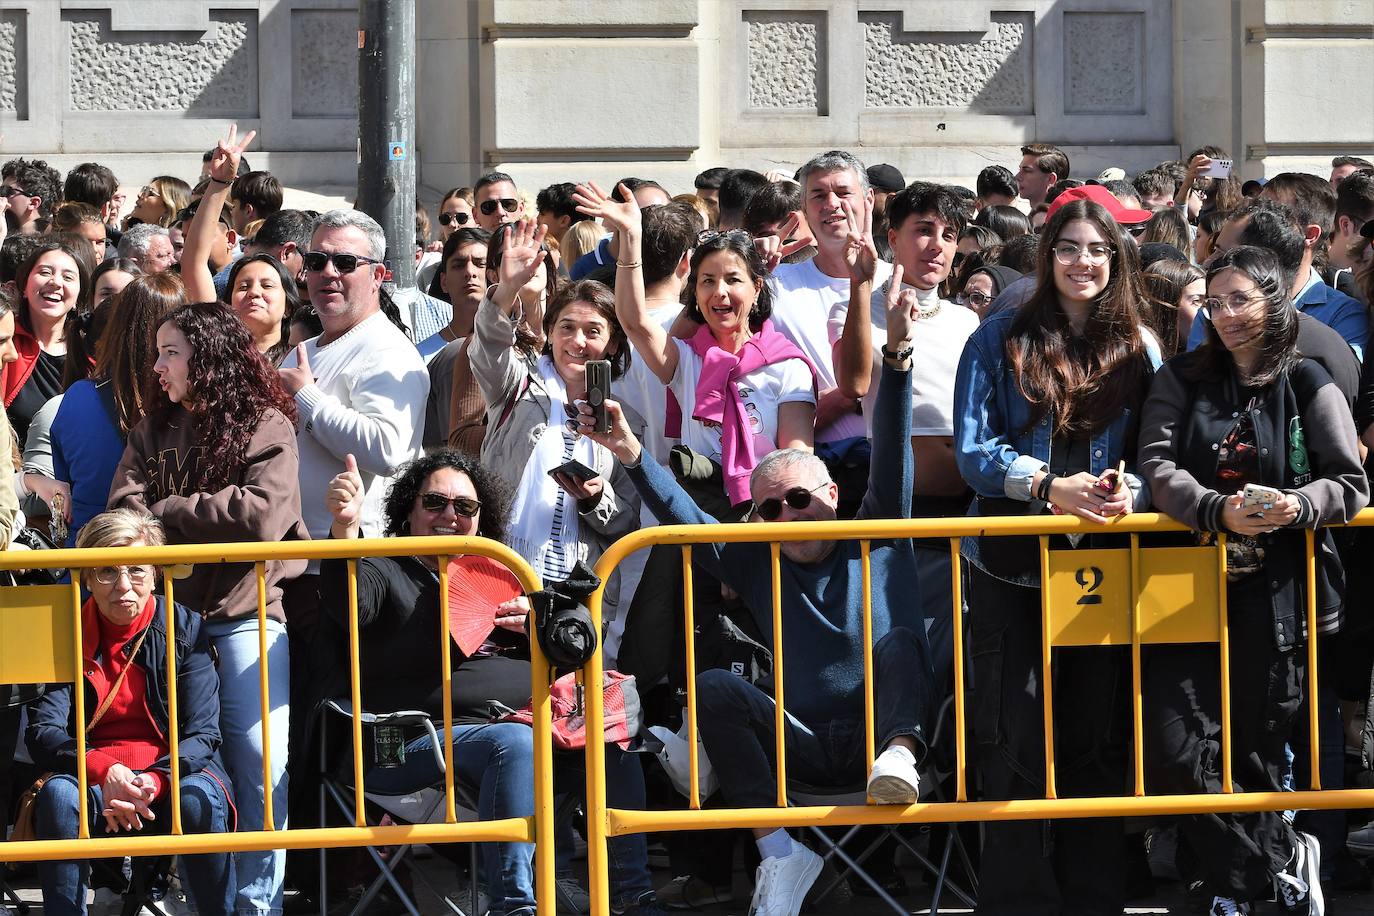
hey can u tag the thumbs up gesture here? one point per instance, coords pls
(344, 500)
(299, 376)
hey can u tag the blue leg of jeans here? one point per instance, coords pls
(259, 874)
(628, 855)
(58, 817)
(209, 877)
(499, 760)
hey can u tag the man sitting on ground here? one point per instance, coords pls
(822, 639)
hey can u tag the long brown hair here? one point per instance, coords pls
(128, 348)
(1081, 382)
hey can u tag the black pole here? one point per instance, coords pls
(386, 127)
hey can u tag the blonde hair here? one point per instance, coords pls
(120, 528)
(581, 237)
(698, 204)
(175, 195)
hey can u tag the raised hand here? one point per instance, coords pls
(620, 440)
(522, 256)
(294, 378)
(621, 216)
(860, 254)
(344, 497)
(224, 158)
(900, 305)
(774, 248)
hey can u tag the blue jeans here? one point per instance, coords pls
(204, 809)
(498, 759)
(259, 874)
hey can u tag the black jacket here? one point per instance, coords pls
(51, 733)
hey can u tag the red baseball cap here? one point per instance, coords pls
(1100, 195)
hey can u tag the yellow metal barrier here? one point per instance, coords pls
(40, 642)
(1126, 597)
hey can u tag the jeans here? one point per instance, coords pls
(933, 569)
(1045, 868)
(260, 874)
(735, 719)
(498, 759)
(204, 809)
(1238, 853)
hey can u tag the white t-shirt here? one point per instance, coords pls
(802, 300)
(761, 391)
(641, 390)
(937, 343)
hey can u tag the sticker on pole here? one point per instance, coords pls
(397, 151)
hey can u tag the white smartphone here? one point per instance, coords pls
(1260, 497)
(1220, 168)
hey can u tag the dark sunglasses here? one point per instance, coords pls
(15, 191)
(344, 263)
(712, 234)
(460, 219)
(509, 204)
(462, 505)
(797, 497)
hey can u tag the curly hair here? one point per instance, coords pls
(231, 388)
(405, 489)
(741, 244)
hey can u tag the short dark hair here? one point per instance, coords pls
(468, 235)
(921, 197)
(90, 183)
(1313, 200)
(1059, 187)
(38, 179)
(1355, 197)
(710, 179)
(1121, 189)
(740, 244)
(633, 185)
(1356, 161)
(982, 236)
(996, 179)
(1272, 226)
(285, 226)
(558, 200)
(1007, 221)
(491, 178)
(1049, 159)
(1019, 254)
(737, 188)
(669, 233)
(261, 189)
(772, 204)
(1153, 182)
(600, 297)
(243, 168)
(15, 251)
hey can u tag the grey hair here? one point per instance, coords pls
(135, 241)
(357, 219)
(834, 161)
(789, 458)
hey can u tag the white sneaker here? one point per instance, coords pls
(1299, 886)
(780, 884)
(1227, 906)
(894, 780)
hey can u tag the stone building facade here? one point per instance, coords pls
(552, 89)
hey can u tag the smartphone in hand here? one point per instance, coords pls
(598, 390)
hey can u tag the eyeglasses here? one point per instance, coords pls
(462, 505)
(1234, 304)
(109, 575)
(147, 191)
(509, 204)
(15, 191)
(343, 262)
(459, 218)
(797, 497)
(977, 300)
(1136, 229)
(1068, 254)
(712, 234)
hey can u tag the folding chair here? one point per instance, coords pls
(424, 806)
(935, 773)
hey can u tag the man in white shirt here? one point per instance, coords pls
(803, 295)
(925, 221)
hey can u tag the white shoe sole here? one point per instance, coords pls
(890, 790)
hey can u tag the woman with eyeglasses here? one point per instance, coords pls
(1243, 437)
(159, 202)
(1046, 404)
(128, 764)
(449, 493)
(215, 460)
(743, 388)
(983, 285)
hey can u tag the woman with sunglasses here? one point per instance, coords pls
(1046, 405)
(399, 666)
(128, 767)
(215, 460)
(1246, 438)
(743, 388)
(159, 202)
(455, 212)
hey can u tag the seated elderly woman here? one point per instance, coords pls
(450, 493)
(124, 652)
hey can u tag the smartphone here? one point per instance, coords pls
(1260, 497)
(598, 390)
(1110, 481)
(1220, 168)
(575, 469)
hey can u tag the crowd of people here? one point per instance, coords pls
(832, 343)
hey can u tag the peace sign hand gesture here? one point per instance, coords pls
(224, 158)
(860, 254)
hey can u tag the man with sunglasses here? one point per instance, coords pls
(496, 200)
(30, 190)
(823, 631)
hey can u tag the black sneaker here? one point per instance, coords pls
(1298, 888)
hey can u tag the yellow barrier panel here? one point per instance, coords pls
(40, 642)
(1133, 596)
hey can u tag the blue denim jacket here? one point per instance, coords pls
(996, 454)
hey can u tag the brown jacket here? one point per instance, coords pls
(263, 503)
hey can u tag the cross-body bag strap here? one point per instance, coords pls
(119, 682)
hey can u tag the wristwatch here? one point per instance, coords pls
(900, 356)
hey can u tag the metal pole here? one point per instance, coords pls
(386, 127)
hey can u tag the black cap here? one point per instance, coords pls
(884, 177)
